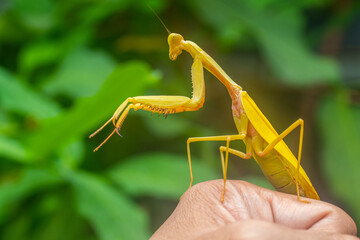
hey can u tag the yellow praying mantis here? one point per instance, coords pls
(262, 142)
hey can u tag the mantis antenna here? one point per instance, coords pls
(158, 18)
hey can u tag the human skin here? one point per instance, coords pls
(252, 212)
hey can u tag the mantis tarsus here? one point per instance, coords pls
(262, 142)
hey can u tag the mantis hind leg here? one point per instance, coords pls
(280, 137)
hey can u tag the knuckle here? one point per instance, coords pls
(203, 191)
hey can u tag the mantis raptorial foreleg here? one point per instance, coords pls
(268, 148)
(161, 104)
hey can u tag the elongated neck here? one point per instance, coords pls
(212, 66)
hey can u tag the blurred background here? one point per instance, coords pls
(65, 66)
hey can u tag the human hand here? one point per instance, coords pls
(252, 212)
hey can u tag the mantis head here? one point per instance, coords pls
(175, 40)
(175, 45)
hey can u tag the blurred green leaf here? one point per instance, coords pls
(81, 73)
(94, 13)
(36, 14)
(12, 149)
(55, 224)
(47, 52)
(8, 33)
(51, 216)
(278, 31)
(17, 229)
(292, 60)
(110, 212)
(29, 181)
(7, 127)
(72, 155)
(39, 54)
(87, 114)
(340, 135)
(18, 97)
(4, 122)
(169, 127)
(157, 5)
(159, 174)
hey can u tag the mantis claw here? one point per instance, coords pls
(118, 132)
(97, 148)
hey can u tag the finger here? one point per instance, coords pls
(317, 215)
(255, 229)
(247, 201)
(200, 211)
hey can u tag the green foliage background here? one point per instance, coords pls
(66, 65)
